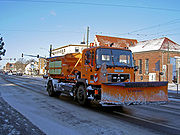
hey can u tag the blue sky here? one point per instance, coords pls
(30, 26)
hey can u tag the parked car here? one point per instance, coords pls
(9, 73)
(19, 74)
(13, 73)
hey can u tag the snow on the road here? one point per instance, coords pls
(173, 87)
(56, 116)
(174, 99)
(34, 77)
(26, 105)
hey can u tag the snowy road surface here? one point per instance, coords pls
(14, 123)
(58, 116)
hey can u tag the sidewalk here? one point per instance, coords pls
(14, 123)
(172, 92)
(173, 87)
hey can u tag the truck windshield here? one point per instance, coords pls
(114, 57)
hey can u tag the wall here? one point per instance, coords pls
(41, 66)
(67, 49)
(10, 67)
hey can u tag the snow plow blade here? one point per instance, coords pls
(128, 93)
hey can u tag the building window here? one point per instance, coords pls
(87, 58)
(147, 66)
(76, 49)
(140, 66)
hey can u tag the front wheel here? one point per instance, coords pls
(82, 95)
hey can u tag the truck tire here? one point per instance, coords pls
(50, 89)
(82, 95)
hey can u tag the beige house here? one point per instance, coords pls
(68, 49)
(41, 66)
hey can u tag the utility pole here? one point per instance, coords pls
(87, 35)
(50, 51)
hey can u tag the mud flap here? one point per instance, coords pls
(134, 93)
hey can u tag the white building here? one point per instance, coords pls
(31, 69)
(68, 49)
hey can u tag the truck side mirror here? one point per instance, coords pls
(136, 68)
(161, 73)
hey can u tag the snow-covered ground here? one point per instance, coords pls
(173, 87)
(34, 77)
(173, 90)
(174, 99)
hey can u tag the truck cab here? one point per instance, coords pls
(107, 65)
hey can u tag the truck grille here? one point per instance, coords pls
(118, 78)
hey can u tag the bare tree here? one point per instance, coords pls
(29, 61)
(20, 65)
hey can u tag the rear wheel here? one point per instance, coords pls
(50, 89)
(82, 95)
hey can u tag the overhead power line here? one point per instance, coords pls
(152, 27)
(134, 32)
(117, 34)
(94, 4)
(158, 25)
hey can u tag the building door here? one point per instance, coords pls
(152, 77)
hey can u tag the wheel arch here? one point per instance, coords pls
(79, 83)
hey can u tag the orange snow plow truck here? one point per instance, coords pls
(102, 74)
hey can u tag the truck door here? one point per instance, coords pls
(88, 64)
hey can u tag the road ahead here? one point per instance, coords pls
(63, 116)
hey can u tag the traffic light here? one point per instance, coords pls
(37, 56)
(22, 55)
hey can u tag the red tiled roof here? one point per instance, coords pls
(117, 42)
